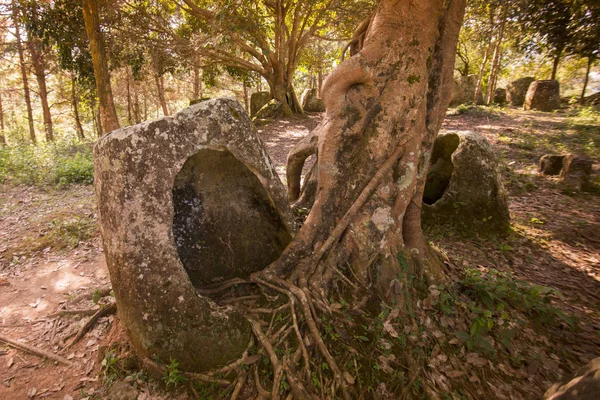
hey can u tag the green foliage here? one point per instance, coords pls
(60, 163)
(497, 290)
(110, 368)
(477, 111)
(173, 376)
(493, 300)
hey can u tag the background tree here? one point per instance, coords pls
(586, 35)
(546, 25)
(16, 21)
(108, 113)
(265, 37)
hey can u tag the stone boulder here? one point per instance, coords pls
(184, 201)
(200, 100)
(464, 91)
(463, 188)
(500, 96)
(551, 164)
(576, 172)
(272, 110)
(258, 101)
(592, 100)
(311, 102)
(585, 385)
(517, 90)
(543, 96)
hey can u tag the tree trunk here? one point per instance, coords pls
(160, 87)
(479, 87)
(108, 112)
(585, 81)
(15, 15)
(379, 179)
(137, 115)
(555, 65)
(75, 104)
(246, 100)
(196, 94)
(128, 89)
(2, 138)
(284, 92)
(39, 68)
(494, 72)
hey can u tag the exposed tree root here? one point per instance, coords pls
(34, 350)
(104, 311)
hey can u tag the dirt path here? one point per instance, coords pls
(50, 252)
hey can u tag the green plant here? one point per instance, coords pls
(61, 163)
(172, 376)
(110, 369)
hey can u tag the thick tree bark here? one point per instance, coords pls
(283, 91)
(160, 88)
(27, 95)
(75, 105)
(384, 108)
(39, 68)
(587, 77)
(108, 112)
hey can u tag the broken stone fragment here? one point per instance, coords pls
(184, 201)
(463, 188)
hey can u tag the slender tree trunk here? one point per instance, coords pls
(585, 81)
(196, 95)
(246, 100)
(479, 87)
(39, 68)
(137, 115)
(2, 138)
(108, 112)
(26, 93)
(494, 72)
(320, 81)
(486, 56)
(145, 107)
(75, 104)
(160, 87)
(555, 65)
(128, 88)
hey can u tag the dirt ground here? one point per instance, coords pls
(51, 254)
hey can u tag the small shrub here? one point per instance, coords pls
(60, 163)
(172, 375)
